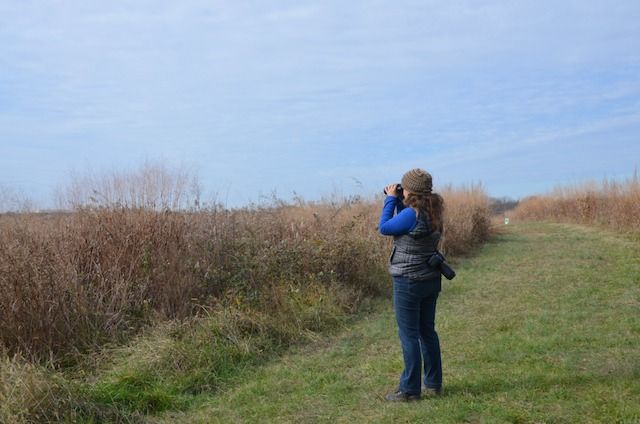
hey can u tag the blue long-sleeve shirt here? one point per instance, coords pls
(404, 221)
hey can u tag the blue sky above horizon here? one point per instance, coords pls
(320, 97)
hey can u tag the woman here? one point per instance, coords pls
(416, 230)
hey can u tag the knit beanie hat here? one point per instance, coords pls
(417, 181)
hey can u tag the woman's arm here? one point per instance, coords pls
(404, 221)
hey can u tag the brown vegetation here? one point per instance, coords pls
(467, 219)
(71, 282)
(610, 204)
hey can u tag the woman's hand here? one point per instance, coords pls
(391, 190)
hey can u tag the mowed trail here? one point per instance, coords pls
(541, 325)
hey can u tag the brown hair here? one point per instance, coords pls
(431, 204)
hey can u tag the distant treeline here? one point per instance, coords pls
(500, 205)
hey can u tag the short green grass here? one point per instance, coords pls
(541, 326)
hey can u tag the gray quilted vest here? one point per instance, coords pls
(412, 251)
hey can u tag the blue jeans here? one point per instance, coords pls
(415, 307)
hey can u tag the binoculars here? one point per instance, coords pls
(438, 261)
(399, 191)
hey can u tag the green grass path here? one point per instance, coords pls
(541, 325)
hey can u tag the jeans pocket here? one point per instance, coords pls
(401, 285)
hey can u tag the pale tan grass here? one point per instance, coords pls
(610, 204)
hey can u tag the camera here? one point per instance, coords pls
(438, 261)
(399, 191)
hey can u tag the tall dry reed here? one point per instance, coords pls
(71, 282)
(74, 281)
(610, 204)
(467, 218)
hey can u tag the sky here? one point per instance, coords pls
(320, 98)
